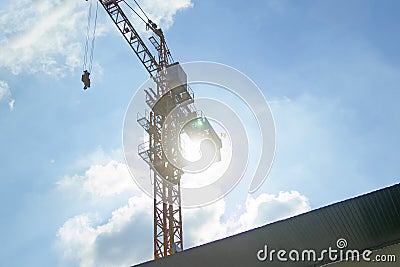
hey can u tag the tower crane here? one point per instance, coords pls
(161, 100)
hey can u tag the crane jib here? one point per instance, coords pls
(120, 19)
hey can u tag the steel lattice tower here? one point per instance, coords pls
(171, 93)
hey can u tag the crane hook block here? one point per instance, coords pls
(86, 79)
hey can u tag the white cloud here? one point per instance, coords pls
(123, 236)
(99, 156)
(267, 208)
(41, 35)
(121, 241)
(205, 224)
(75, 240)
(210, 223)
(96, 238)
(6, 93)
(163, 11)
(111, 179)
(4, 90)
(48, 36)
(104, 176)
(101, 180)
(11, 104)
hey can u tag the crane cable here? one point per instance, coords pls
(94, 37)
(131, 8)
(90, 40)
(87, 36)
(146, 22)
(141, 10)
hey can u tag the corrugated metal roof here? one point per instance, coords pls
(370, 221)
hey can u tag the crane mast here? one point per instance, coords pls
(167, 193)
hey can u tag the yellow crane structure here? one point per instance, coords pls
(161, 100)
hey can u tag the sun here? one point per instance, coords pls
(189, 147)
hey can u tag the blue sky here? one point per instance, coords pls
(330, 70)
